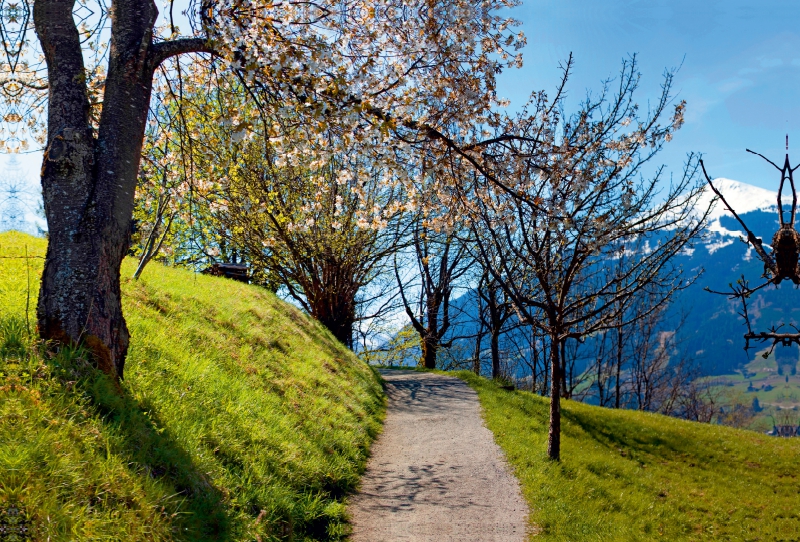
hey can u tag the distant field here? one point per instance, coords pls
(634, 476)
(769, 380)
(239, 418)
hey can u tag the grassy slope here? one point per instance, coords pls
(239, 418)
(629, 475)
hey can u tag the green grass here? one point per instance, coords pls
(629, 475)
(239, 418)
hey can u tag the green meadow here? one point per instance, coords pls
(242, 419)
(628, 475)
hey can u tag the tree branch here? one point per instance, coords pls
(167, 49)
(751, 238)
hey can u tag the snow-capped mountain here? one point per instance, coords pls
(713, 331)
(743, 197)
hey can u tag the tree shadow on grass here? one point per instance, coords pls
(633, 439)
(135, 434)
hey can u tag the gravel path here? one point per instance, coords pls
(435, 473)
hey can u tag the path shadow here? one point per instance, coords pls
(418, 485)
(429, 398)
(417, 395)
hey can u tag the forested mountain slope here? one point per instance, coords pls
(239, 417)
(712, 331)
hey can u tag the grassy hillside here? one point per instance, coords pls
(239, 417)
(628, 475)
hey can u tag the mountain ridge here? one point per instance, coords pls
(713, 331)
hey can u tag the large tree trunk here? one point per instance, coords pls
(339, 319)
(495, 344)
(88, 184)
(331, 299)
(554, 436)
(430, 344)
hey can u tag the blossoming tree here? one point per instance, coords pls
(390, 67)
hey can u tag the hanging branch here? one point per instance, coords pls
(785, 339)
(781, 264)
(756, 242)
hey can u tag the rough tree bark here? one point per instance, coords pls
(88, 180)
(554, 435)
(336, 310)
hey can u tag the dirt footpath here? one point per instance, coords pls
(435, 473)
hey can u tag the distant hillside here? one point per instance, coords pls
(714, 329)
(239, 419)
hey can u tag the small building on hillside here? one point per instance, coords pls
(233, 271)
(784, 431)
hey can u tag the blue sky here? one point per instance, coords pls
(740, 71)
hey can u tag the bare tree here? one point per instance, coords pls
(651, 371)
(479, 333)
(601, 370)
(152, 238)
(699, 403)
(441, 259)
(496, 313)
(566, 197)
(533, 351)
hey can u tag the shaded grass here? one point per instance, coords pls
(629, 475)
(239, 417)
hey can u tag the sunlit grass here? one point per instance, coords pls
(629, 475)
(239, 418)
